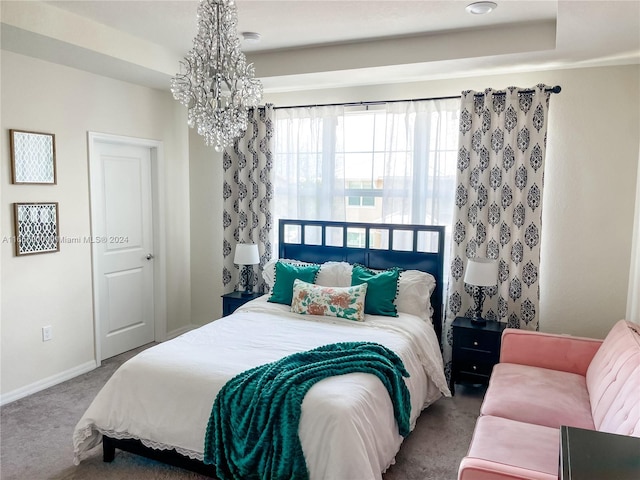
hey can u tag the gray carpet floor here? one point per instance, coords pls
(35, 437)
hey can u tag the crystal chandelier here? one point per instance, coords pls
(216, 84)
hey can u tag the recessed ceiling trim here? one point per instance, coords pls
(25, 42)
(70, 29)
(472, 43)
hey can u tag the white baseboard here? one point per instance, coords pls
(179, 331)
(69, 374)
(47, 382)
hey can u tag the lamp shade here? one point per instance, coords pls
(246, 254)
(482, 272)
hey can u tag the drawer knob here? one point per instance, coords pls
(475, 343)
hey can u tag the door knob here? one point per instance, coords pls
(149, 256)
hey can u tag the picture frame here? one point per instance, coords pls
(33, 157)
(36, 228)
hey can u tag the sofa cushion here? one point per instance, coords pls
(613, 381)
(503, 448)
(538, 395)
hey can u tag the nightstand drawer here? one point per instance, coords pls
(475, 378)
(478, 356)
(478, 340)
(474, 367)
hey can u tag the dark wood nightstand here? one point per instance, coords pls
(476, 349)
(233, 300)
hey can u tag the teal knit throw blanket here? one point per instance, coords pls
(253, 427)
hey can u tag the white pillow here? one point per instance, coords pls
(414, 293)
(331, 274)
(334, 274)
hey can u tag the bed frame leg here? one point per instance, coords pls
(108, 450)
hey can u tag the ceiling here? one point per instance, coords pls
(303, 23)
(329, 43)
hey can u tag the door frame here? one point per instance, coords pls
(159, 249)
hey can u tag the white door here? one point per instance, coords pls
(122, 236)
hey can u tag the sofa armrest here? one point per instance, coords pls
(548, 350)
(479, 469)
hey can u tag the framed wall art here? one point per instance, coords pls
(33, 157)
(36, 228)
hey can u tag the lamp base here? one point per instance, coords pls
(246, 276)
(478, 297)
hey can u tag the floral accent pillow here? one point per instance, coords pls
(343, 302)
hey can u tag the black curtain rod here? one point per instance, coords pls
(555, 89)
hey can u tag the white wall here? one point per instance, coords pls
(55, 288)
(590, 184)
(206, 230)
(633, 302)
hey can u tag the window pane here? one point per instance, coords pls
(358, 132)
(355, 237)
(402, 240)
(358, 166)
(379, 238)
(292, 234)
(428, 241)
(312, 235)
(378, 168)
(380, 132)
(334, 236)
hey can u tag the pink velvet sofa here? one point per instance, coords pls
(544, 381)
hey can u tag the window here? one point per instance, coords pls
(389, 163)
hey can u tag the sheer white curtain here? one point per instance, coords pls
(420, 151)
(389, 163)
(309, 176)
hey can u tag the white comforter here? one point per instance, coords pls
(164, 395)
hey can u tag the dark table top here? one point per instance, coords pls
(593, 455)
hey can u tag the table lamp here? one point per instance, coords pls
(246, 255)
(481, 272)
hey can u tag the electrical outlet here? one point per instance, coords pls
(47, 333)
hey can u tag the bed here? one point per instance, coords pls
(158, 403)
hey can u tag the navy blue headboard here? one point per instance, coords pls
(374, 245)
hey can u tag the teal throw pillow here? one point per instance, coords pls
(286, 274)
(381, 291)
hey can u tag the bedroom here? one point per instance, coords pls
(591, 178)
